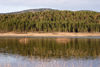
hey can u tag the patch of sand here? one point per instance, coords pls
(50, 34)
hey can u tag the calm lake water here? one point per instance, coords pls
(50, 52)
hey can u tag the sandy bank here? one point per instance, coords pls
(50, 34)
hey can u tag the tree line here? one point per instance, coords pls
(51, 21)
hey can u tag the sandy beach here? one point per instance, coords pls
(50, 34)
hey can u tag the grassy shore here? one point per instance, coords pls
(49, 34)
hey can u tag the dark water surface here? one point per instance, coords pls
(50, 52)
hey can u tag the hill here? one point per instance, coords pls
(51, 21)
(30, 10)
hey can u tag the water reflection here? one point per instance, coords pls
(43, 49)
(50, 48)
(24, 40)
(63, 40)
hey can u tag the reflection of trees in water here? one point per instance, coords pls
(24, 40)
(50, 48)
(63, 40)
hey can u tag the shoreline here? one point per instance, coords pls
(54, 34)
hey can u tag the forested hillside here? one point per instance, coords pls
(51, 21)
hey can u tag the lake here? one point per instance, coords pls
(50, 52)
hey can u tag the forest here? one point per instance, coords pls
(51, 21)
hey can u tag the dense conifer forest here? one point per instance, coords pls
(51, 21)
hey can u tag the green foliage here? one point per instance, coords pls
(51, 21)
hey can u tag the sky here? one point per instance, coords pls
(72, 5)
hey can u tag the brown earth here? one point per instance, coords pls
(50, 34)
